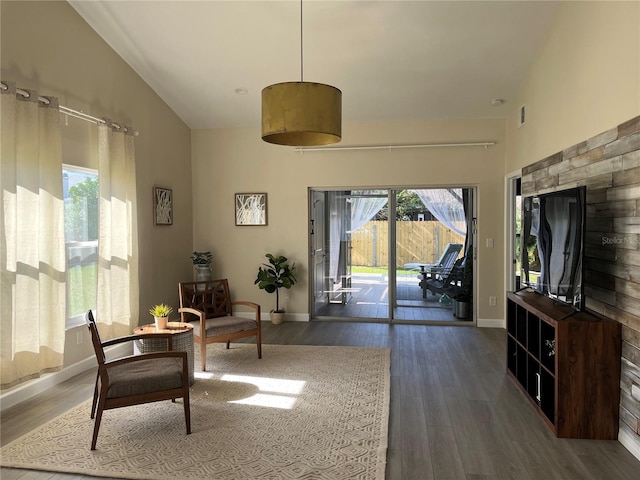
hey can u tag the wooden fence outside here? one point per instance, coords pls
(415, 242)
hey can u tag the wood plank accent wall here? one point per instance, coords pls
(609, 165)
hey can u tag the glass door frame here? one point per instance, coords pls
(392, 256)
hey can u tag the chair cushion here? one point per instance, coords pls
(225, 325)
(145, 376)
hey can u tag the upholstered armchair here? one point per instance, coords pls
(208, 307)
(136, 379)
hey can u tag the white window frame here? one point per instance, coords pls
(77, 320)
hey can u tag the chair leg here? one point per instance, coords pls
(95, 397)
(96, 426)
(259, 344)
(187, 412)
(203, 356)
(228, 343)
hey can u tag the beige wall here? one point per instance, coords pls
(231, 161)
(48, 47)
(585, 80)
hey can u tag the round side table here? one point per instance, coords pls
(181, 340)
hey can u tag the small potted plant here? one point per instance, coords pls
(272, 277)
(161, 314)
(202, 265)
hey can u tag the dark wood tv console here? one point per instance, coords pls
(567, 363)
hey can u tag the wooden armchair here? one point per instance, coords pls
(208, 307)
(136, 379)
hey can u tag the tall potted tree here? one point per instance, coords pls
(272, 277)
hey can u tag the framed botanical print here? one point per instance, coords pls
(162, 206)
(251, 208)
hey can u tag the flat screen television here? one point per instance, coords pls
(552, 245)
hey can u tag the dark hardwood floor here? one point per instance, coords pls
(454, 414)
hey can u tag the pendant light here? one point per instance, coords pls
(301, 114)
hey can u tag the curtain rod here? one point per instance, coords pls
(393, 147)
(70, 111)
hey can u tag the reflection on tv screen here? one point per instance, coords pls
(553, 245)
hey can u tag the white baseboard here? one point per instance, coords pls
(36, 386)
(491, 323)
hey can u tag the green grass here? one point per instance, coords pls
(380, 270)
(82, 289)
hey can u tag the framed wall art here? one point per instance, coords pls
(162, 206)
(251, 208)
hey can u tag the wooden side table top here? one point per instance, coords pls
(172, 328)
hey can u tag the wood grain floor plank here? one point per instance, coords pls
(454, 414)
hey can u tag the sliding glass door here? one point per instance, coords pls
(350, 287)
(389, 255)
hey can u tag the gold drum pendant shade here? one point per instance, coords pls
(301, 114)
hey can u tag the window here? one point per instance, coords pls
(80, 192)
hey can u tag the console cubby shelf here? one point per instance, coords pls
(567, 363)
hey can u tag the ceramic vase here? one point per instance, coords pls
(161, 322)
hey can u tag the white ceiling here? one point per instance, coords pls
(393, 60)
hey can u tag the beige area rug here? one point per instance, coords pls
(301, 412)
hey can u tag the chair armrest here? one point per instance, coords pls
(192, 311)
(129, 338)
(117, 340)
(255, 307)
(145, 356)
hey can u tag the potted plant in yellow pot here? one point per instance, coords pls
(275, 275)
(161, 314)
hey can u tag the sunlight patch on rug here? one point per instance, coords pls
(299, 412)
(281, 394)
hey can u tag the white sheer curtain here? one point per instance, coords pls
(32, 254)
(118, 294)
(337, 232)
(446, 205)
(364, 209)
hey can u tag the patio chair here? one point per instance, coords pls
(444, 264)
(447, 282)
(136, 379)
(208, 307)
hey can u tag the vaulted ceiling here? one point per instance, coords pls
(393, 60)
